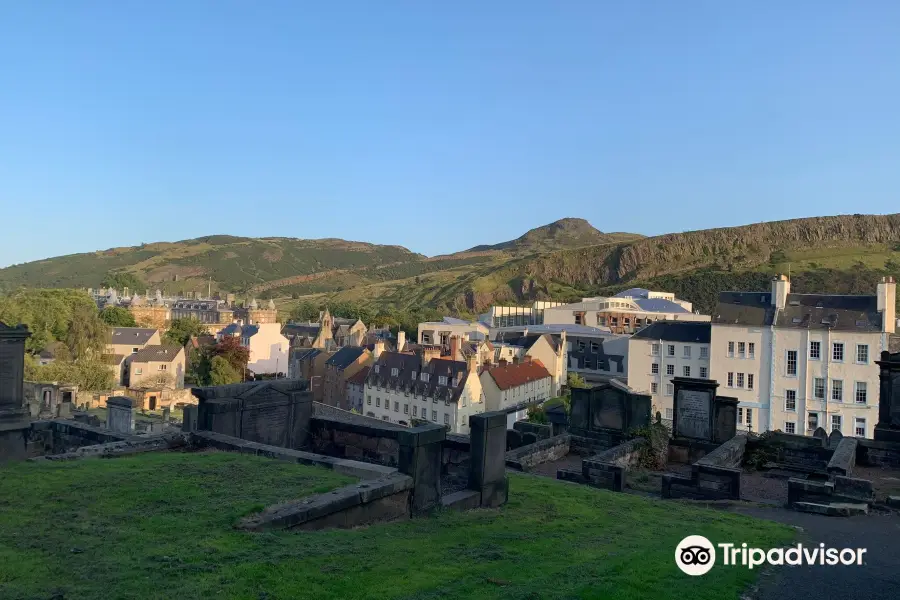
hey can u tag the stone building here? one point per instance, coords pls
(345, 363)
(129, 340)
(516, 386)
(157, 367)
(254, 314)
(356, 390)
(328, 333)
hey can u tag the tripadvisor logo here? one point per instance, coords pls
(696, 555)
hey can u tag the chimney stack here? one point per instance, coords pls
(887, 304)
(401, 340)
(454, 348)
(472, 363)
(781, 287)
(429, 353)
(379, 348)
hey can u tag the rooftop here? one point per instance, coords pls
(676, 331)
(345, 357)
(511, 376)
(156, 354)
(802, 311)
(131, 335)
(359, 378)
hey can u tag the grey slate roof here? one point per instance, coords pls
(345, 357)
(131, 335)
(407, 364)
(156, 354)
(525, 341)
(633, 292)
(677, 331)
(659, 305)
(802, 311)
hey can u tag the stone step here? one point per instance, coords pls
(833, 509)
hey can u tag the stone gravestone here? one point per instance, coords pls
(120, 414)
(189, 418)
(166, 412)
(15, 419)
(835, 438)
(821, 435)
(725, 411)
(609, 406)
(888, 427)
(694, 408)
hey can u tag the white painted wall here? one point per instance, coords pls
(268, 349)
(643, 354)
(397, 407)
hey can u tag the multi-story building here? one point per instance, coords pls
(205, 311)
(624, 313)
(254, 314)
(339, 368)
(404, 387)
(268, 348)
(129, 340)
(309, 364)
(438, 333)
(665, 350)
(514, 316)
(328, 332)
(356, 390)
(543, 347)
(514, 387)
(157, 366)
(797, 362)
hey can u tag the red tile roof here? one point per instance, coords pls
(510, 376)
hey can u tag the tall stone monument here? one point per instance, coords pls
(888, 428)
(702, 415)
(14, 416)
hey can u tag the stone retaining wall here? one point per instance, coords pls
(545, 450)
(607, 470)
(357, 441)
(59, 436)
(716, 475)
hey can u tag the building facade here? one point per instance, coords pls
(268, 348)
(129, 340)
(797, 362)
(403, 388)
(343, 365)
(514, 387)
(549, 350)
(665, 350)
(624, 313)
(438, 333)
(157, 367)
(356, 390)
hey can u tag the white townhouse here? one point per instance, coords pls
(401, 387)
(514, 387)
(665, 350)
(797, 362)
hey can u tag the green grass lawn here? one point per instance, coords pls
(161, 526)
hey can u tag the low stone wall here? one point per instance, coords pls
(541, 431)
(159, 443)
(871, 453)
(362, 470)
(59, 436)
(456, 460)
(844, 458)
(686, 452)
(838, 489)
(803, 453)
(384, 499)
(357, 441)
(545, 450)
(607, 470)
(594, 442)
(716, 475)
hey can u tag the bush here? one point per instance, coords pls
(655, 453)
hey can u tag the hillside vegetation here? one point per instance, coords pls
(564, 261)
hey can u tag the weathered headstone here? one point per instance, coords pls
(835, 438)
(529, 438)
(189, 418)
(513, 439)
(488, 451)
(725, 419)
(888, 427)
(65, 410)
(419, 456)
(120, 414)
(822, 436)
(14, 414)
(694, 408)
(166, 412)
(609, 406)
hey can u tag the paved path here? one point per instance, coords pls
(877, 579)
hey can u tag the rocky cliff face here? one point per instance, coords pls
(733, 247)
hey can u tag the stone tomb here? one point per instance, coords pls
(120, 414)
(701, 415)
(273, 412)
(888, 427)
(608, 406)
(15, 418)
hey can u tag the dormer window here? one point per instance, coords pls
(442, 380)
(377, 368)
(425, 377)
(414, 374)
(394, 372)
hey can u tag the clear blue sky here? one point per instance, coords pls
(437, 125)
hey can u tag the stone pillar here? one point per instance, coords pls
(120, 414)
(420, 458)
(888, 427)
(301, 413)
(488, 450)
(166, 412)
(189, 419)
(15, 419)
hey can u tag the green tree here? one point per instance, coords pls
(182, 330)
(230, 349)
(303, 312)
(574, 380)
(123, 280)
(87, 335)
(89, 374)
(222, 373)
(116, 316)
(47, 313)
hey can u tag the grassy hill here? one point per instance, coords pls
(562, 261)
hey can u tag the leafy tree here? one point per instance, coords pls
(116, 316)
(87, 334)
(222, 373)
(123, 280)
(182, 330)
(231, 350)
(89, 374)
(305, 311)
(47, 313)
(574, 380)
